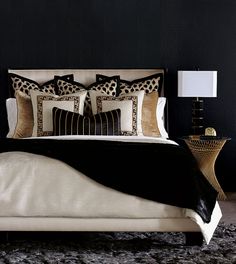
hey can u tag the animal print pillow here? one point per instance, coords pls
(108, 86)
(148, 84)
(23, 84)
(64, 87)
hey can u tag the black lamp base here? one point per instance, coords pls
(197, 117)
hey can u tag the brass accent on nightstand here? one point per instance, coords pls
(205, 152)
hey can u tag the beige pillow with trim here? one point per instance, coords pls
(130, 106)
(43, 103)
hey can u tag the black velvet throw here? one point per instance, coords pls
(164, 173)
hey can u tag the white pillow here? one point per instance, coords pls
(42, 109)
(129, 104)
(11, 116)
(160, 114)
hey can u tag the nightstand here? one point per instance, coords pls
(205, 149)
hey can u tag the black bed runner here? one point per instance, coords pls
(165, 173)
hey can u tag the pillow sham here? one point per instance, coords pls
(70, 123)
(108, 86)
(129, 104)
(160, 113)
(25, 120)
(42, 109)
(24, 84)
(149, 115)
(64, 87)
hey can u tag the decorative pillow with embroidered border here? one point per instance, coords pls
(108, 86)
(24, 84)
(43, 105)
(70, 123)
(129, 104)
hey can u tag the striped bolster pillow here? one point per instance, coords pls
(70, 123)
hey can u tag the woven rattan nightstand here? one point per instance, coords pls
(206, 149)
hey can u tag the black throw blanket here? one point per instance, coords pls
(164, 173)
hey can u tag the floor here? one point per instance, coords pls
(228, 208)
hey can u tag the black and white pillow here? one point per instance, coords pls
(71, 123)
(130, 106)
(108, 86)
(23, 84)
(64, 87)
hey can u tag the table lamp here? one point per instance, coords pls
(197, 84)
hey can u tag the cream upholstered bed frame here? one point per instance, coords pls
(87, 76)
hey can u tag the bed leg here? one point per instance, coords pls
(193, 239)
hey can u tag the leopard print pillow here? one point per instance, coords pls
(20, 83)
(64, 87)
(108, 86)
(148, 84)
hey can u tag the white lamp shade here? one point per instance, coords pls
(197, 83)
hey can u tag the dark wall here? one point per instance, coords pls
(178, 35)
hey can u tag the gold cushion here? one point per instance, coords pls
(25, 120)
(149, 118)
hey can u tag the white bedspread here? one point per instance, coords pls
(33, 185)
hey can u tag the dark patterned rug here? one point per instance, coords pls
(118, 248)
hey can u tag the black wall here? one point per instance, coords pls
(176, 34)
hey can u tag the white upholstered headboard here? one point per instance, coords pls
(88, 76)
(85, 76)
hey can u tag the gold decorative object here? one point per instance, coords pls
(210, 131)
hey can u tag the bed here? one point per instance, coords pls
(88, 150)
